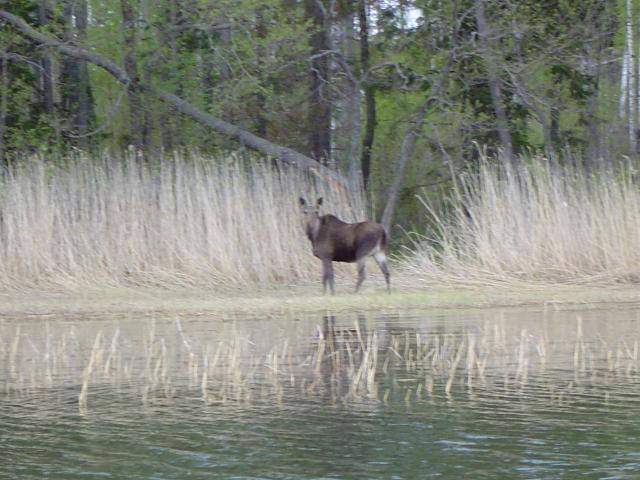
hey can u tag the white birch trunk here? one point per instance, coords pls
(624, 84)
(632, 81)
(636, 106)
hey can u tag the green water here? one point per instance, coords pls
(476, 394)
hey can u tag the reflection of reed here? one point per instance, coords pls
(341, 364)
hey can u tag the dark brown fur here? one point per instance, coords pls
(336, 241)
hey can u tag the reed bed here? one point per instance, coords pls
(179, 221)
(344, 365)
(536, 221)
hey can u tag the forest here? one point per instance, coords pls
(412, 106)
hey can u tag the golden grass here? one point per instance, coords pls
(536, 221)
(175, 222)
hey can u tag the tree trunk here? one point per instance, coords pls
(69, 70)
(76, 92)
(4, 95)
(632, 81)
(46, 73)
(347, 123)
(409, 141)
(624, 71)
(260, 101)
(129, 16)
(406, 153)
(369, 94)
(85, 102)
(493, 79)
(554, 127)
(320, 106)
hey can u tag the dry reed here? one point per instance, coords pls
(180, 221)
(535, 221)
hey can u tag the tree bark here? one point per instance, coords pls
(369, 94)
(320, 106)
(76, 94)
(352, 106)
(624, 71)
(129, 15)
(284, 154)
(631, 79)
(347, 119)
(493, 79)
(4, 95)
(45, 63)
(85, 103)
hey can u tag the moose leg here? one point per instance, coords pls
(327, 276)
(381, 260)
(360, 263)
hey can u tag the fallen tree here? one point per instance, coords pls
(254, 142)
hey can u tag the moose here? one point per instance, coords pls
(336, 241)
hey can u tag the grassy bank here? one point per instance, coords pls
(89, 302)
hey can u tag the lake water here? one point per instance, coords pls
(507, 393)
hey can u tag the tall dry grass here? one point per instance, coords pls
(177, 221)
(535, 221)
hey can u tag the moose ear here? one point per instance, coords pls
(320, 201)
(302, 201)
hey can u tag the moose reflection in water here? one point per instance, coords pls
(336, 241)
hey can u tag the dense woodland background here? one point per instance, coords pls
(399, 96)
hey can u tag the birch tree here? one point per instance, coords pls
(628, 108)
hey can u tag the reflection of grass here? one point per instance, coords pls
(340, 365)
(109, 301)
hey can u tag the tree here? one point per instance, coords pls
(320, 106)
(369, 92)
(493, 79)
(76, 88)
(130, 14)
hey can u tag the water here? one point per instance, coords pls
(474, 394)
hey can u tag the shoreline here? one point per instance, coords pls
(97, 302)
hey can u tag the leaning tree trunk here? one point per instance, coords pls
(409, 141)
(406, 153)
